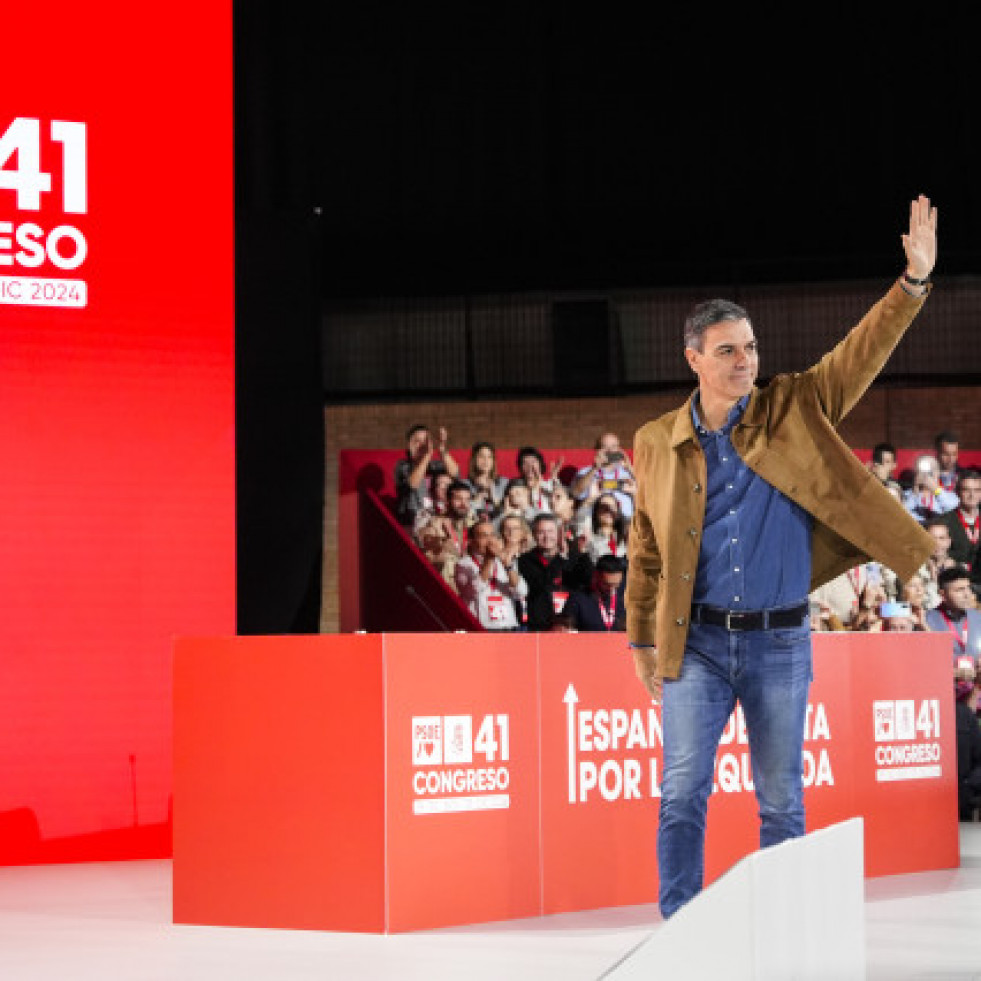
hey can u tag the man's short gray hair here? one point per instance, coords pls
(705, 315)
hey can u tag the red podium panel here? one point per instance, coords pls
(406, 781)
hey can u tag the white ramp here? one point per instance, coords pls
(793, 911)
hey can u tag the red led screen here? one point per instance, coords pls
(117, 396)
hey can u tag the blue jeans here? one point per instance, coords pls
(769, 672)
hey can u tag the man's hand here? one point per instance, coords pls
(645, 663)
(920, 243)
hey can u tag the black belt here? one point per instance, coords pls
(715, 616)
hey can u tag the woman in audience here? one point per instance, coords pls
(517, 500)
(870, 599)
(487, 486)
(434, 541)
(914, 592)
(516, 533)
(607, 534)
(531, 467)
(564, 508)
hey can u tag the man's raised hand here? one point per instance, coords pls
(920, 243)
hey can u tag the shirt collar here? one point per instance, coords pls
(735, 414)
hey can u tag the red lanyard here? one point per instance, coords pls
(459, 540)
(955, 630)
(613, 544)
(971, 530)
(608, 615)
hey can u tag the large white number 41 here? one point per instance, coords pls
(27, 180)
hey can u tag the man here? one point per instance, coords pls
(947, 447)
(419, 465)
(746, 500)
(610, 473)
(602, 608)
(488, 580)
(964, 521)
(883, 464)
(926, 498)
(550, 574)
(956, 613)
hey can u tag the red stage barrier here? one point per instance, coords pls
(400, 782)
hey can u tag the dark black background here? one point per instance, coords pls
(393, 152)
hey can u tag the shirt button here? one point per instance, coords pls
(732, 510)
(735, 599)
(728, 486)
(725, 459)
(736, 569)
(735, 540)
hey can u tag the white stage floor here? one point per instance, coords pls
(112, 921)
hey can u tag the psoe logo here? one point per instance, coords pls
(907, 737)
(457, 770)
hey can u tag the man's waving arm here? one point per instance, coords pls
(843, 375)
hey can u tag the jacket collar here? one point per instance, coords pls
(684, 429)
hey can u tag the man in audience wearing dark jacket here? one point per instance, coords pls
(602, 608)
(551, 575)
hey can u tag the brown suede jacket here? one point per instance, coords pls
(786, 435)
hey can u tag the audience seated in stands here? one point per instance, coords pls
(420, 464)
(611, 472)
(487, 486)
(956, 613)
(926, 497)
(602, 607)
(488, 579)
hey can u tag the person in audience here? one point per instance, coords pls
(562, 624)
(550, 574)
(823, 618)
(602, 607)
(610, 472)
(867, 617)
(420, 464)
(883, 465)
(459, 514)
(897, 618)
(517, 501)
(439, 484)
(964, 521)
(938, 560)
(947, 447)
(564, 508)
(607, 533)
(516, 533)
(434, 543)
(843, 594)
(914, 592)
(956, 614)
(531, 467)
(967, 686)
(488, 579)
(926, 497)
(487, 486)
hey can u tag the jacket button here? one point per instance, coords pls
(693, 532)
(686, 576)
(697, 488)
(680, 621)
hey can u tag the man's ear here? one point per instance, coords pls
(692, 357)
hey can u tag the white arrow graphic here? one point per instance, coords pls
(571, 699)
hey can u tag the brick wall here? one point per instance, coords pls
(907, 417)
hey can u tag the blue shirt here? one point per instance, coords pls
(756, 542)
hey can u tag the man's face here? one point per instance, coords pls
(886, 468)
(546, 536)
(458, 504)
(957, 594)
(519, 498)
(605, 582)
(941, 540)
(947, 455)
(609, 443)
(898, 625)
(969, 493)
(480, 537)
(728, 362)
